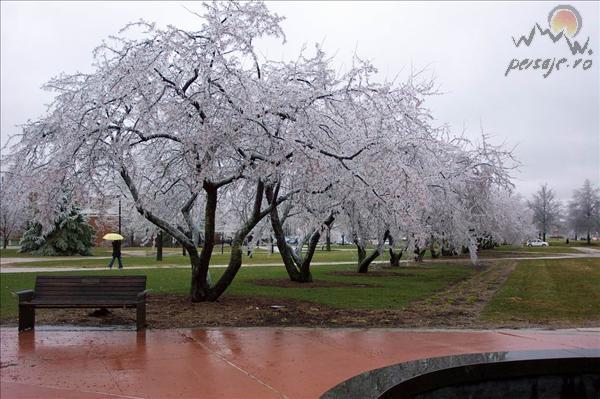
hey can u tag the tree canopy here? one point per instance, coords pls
(196, 125)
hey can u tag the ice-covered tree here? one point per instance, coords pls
(177, 118)
(584, 210)
(546, 210)
(14, 211)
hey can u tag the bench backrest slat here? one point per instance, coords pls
(96, 287)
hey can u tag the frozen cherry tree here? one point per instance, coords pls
(14, 208)
(200, 132)
(179, 118)
(171, 116)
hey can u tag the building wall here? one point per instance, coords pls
(103, 224)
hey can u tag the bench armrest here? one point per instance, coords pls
(24, 295)
(142, 295)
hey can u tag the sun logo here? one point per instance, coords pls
(565, 19)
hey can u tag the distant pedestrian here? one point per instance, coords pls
(249, 245)
(116, 254)
(250, 248)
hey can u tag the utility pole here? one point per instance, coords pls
(159, 245)
(119, 215)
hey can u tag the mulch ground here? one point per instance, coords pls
(171, 311)
(287, 283)
(371, 273)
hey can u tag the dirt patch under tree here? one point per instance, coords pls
(286, 283)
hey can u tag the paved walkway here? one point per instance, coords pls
(37, 269)
(233, 362)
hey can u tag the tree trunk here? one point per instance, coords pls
(362, 253)
(419, 254)
(365, 262)
(434, 254)
(363, 266)
(234, 265)
(297, 270)
(235, 258)
(159, 246)
(589, 238)
(284, 250)
(544, 236)
(447, 252)
(200, 290)
(312, 246)
(328, 240)
(395, 257)
(200, 287)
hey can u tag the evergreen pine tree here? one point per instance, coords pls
(71, 235)
(32, 239)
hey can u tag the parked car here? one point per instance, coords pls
(291, 240)
(537, 243)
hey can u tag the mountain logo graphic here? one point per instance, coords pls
(564, 22)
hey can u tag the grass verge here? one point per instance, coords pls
(545, 291)
(364, 292)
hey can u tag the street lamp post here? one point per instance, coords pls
(119, 215)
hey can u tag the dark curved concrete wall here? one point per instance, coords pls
(561, 374)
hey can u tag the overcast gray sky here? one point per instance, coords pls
(466, 46)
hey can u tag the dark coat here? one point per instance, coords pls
(116, 246)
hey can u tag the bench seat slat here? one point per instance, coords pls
(106, 278)
(85, 291)
(42, 298)
(91, 289)
(91, 281)
(82, 304)
(55, 286)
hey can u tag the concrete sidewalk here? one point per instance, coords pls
(233, 362)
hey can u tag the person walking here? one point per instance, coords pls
(116, 254)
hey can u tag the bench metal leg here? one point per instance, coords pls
(141, 316)
(26, 317)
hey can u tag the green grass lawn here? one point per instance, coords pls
(546, 290)
(575, 243)
(390, 292)
(552, 249)
(555, 246)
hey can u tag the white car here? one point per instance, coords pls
(537, 243)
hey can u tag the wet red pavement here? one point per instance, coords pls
(232, 362)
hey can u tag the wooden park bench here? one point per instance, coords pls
(83, 292)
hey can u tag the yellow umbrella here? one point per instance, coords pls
(113, 237)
